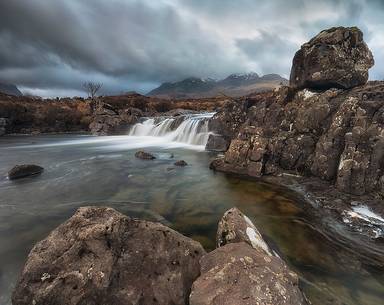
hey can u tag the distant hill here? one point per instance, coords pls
(234, 85)
(10, 89)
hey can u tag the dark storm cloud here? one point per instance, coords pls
(51, 47)
(271, 52)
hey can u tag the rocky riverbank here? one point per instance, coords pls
(100, 256)
(107, 115)
(323, 136)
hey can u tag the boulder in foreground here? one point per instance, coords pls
(24, 170)
(100, 256)
(335, 58)
(237, 274)
(236, 227)
(244, 270)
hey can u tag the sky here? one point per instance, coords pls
(51, 47)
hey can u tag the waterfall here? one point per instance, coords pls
(190, 129)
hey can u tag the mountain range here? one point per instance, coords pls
(10, 89)
(234, 85)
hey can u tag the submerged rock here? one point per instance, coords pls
(243, 270)
(24, 170)
(100, 256)
(181, 163)
(335, 58)
(144, 155)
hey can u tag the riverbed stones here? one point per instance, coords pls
(100, 256)
(336, 58)
(180, 163)
(24, 170)
(144, 155)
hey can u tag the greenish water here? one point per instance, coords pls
(83, 170)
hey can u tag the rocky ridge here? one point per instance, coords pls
(10, 89)
(234, 85)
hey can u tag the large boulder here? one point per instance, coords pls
(100, 256)
(243, 270)
(237, 274)
(24, 170)
(335, 58)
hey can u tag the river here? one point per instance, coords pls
(85, 170)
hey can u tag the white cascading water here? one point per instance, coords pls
(192, 130)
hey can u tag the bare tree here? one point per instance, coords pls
(92, 88)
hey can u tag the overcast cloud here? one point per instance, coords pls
(50, 47)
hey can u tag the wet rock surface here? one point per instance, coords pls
(24, 170)
(335, 58)
(100, 256)
(243, 269)
(180, 163)
(144, 155)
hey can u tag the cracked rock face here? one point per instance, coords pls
(100, 256)
(335, 58)
(336, 135)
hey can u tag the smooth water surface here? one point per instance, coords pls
(85, 170)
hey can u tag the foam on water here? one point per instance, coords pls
(193, 130)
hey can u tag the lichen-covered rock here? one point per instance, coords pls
(237, 274)
(100, 256)
(24, 170)
(235, 227)
(335, 58)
